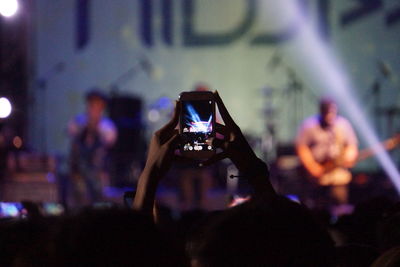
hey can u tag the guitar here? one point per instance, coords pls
(336, 174)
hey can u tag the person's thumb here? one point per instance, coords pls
(172, 142)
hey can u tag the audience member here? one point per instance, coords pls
(268, 230)
(92, 135)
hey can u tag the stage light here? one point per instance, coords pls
(153, 115)
(8, 8)
(5, 108)
(320, 64)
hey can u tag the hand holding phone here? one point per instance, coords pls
(197, 124)
(233, 143)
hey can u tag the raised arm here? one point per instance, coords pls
(308, 161)
(159, 160)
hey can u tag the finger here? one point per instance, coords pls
(219, 136)
(218, 143)
(169, 128)
(219, 128)
(173, 141)
(214, 159)
(166, 132)
(223, 110)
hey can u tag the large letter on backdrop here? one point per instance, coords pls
(82, 23)
(364, 8)
(193, 38)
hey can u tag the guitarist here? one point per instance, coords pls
(327, 146)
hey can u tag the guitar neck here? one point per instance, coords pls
(388, 144)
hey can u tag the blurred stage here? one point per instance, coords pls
(269, 60)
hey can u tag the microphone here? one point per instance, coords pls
(147, 66)
(233, 176)
(384, 68)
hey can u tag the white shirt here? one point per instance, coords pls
(326, 143)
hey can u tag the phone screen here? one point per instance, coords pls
(197, 125)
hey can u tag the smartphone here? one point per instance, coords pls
(197, 124)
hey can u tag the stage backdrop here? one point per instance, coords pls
(154, 49)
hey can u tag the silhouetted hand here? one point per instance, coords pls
(235, 147)
(162, 146)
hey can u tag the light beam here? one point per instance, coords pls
(327, 73)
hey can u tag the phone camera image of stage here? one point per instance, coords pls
(197, 125)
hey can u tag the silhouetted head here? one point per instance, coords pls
(111, 237)
(328, 111)
(281, 233)
(96, 102)
(201, 87)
